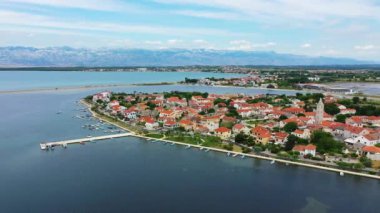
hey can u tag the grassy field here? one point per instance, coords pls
(155, 135)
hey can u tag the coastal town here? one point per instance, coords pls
(313, 81)
(314, 128)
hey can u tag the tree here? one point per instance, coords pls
(250, 141)
(202, 113)
(290, 127)
(301, 115)
(341, 118)
(204, 95)
(191, 81)
(246, 150)
(212, 110)
(241, 138)
(332, 109)
(228, 147)
(325, 142)
(151, 105)
(355, 100)
(232, 112)
(283, 117)
(290, 143)
(366, 161)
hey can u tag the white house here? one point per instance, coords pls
(305, 150)
(103, 96)
(305, 134)
(367, 140)
(371, 152)
(130, 114)
(151, 125)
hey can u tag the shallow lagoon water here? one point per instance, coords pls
(134, 175)
(16, 80)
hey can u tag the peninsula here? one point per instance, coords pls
(312, 129)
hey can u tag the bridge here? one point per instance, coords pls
(48, 145)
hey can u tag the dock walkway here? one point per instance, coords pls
(48, 145)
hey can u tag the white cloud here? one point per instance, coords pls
(37, 21)
(364, 47)
(153, 42)
(247, 45)
(109, 5)
(316, 10)
(307, 45)
(210, 14)
(331, 52)
(173, 42)
(241, 45)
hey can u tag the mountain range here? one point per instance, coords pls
(67, 56)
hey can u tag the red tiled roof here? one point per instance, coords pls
(170, 123)
(373, 118)
(294, 110)
(372, 137)
(299, 148)
(371, 149)
(310, 147)
(261, 132)
(238, 126)
(147, 119)
(281, 135)
(185, 122)
(355, 129)
(222, 129)
(309, 114)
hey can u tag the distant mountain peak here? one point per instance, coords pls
(68, 56)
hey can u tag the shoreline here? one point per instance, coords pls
(95, 86)
(99, 86)
(250, 155)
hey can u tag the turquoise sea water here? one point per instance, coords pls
(15, 80)
(134, 175)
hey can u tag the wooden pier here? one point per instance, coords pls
(48, 145)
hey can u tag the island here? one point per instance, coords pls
(309, 129)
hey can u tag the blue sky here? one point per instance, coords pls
(339, 28)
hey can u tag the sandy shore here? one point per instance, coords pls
(232, 153)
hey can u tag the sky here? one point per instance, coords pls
(334, 28)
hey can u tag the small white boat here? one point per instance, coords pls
(272, 162)
(188, 147)
(64, 145)
(207, 150)
(242, 156)
(89, 136)
(43, 146)
(234, 155)
(200, 148)
(341, 173)
(228, 153)
(172, 144)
